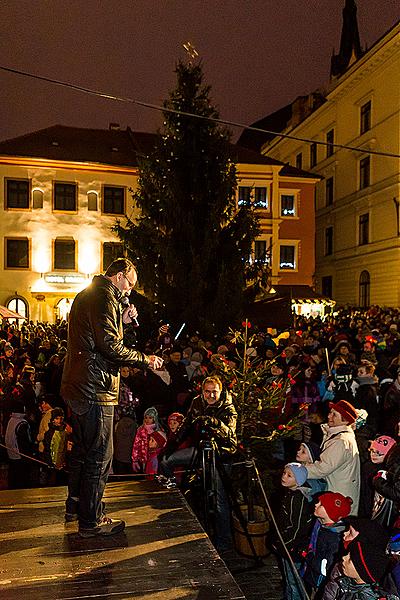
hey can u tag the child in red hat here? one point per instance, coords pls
(326, 537)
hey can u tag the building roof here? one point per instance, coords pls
(118, 147)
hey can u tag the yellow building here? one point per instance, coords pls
(62, 188)
(357, 201)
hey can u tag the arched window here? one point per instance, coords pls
(63, 307)
(364, 289)
(37, 196)
(20, 306)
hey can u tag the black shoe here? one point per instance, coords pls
(70, 517)
(106, 527)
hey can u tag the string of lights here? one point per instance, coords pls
(128, 100)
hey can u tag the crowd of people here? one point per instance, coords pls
(340, 474)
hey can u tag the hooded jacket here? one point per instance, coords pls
(339, 463)
(96, 347)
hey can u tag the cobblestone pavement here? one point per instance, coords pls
(257, 581)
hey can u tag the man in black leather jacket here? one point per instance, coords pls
(90, 385)
(214, 415)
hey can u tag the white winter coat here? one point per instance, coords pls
(339, 463)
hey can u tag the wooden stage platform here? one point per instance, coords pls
(162, 554)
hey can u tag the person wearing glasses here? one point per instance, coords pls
(90, 385)
(211, 415)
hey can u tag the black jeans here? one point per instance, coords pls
(90, 463)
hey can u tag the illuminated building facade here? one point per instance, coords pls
(358, 197)
(62, 189)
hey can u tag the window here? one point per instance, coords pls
(287, 257)
(299, 160)
(329, 191)
(363, 229)
(17, 253)
(244, 198)
(260, 197)
(288, 205)
(64, 254)
(92, 200)
(330, 139)
(17, 193)
(328, 241)
(114, 200)
(261, 252)
(365, 117)
(365, 172)
(327, 286)
(364, 289)
(111, 251)
(313, 154)
(18, 305)
(65, 197)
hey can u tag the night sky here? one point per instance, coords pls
(257, 54)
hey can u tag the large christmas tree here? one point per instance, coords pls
(190, 242)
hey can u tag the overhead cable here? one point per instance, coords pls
(127, 100)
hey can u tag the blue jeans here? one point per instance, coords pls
(293, 590)
(90, 463)
(184, 458)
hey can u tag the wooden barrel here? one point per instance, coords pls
(256, 530)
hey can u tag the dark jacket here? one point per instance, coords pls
(294, 520)
(390, 487)
(224, 429)
(96, 347)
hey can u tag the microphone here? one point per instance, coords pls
(126, 303)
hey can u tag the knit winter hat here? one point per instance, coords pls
(299, 472)
(314, 451)
(336, 505)
(382, 444)
(152, 412)
(368, 553)
(177, 416)
(160, 438)
(346, 409)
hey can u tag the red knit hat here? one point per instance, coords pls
(346, 409)
(336, 505)
(160, 438)
(177, 416)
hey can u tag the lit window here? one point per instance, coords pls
(17, 253)
(288, 205)
(365, 117)
(65, 197)
(113, 200)
(111, 251)
(287, 257)
(17, 193)
(261, 254)
(18, 305)
(244, 197)
(64, 255)
(260, 197)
